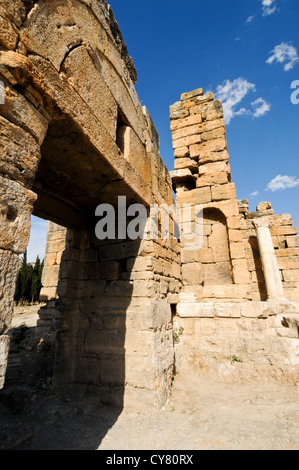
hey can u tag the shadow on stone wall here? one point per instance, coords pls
(32, 416)
(65, 388)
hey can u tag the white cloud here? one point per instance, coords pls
(260, 107)
(255, 193)
(282, 182)
(269, 7)
(231, 93)
(250, 19)
(284, 53)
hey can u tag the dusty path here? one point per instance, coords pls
(201, 414)
(214, 416)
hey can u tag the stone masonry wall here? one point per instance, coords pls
(226, 326)
(286, 244)
(202, 176)
(74, 135)
(114, 297)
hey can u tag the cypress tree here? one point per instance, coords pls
(23, 277)
(36, 280)
(28, 284)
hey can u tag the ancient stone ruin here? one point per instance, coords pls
(125, 315)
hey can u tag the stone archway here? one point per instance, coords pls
(215, 254)
(74, 136)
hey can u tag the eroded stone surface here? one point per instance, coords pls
(73, 136)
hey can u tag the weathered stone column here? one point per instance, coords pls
(269, 261)
(16, 203)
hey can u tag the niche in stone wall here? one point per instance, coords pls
(215, 254)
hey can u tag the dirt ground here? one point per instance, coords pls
(200, 414)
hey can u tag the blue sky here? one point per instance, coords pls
(247, 53)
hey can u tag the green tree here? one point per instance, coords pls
(23, 277)
(28, 284)
(36, 283)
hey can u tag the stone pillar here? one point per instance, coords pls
(16, 204)
(269, 261)
(202, 177)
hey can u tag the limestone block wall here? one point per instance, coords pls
(108, 304)
(74, 135)
(202, 176)
(241, 348)
(226, 326)
(286, 245)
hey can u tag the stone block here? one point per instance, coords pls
(210, 157)
(192, 274)
(8, 34)
(223, 191)
(284, 230)
(235, 235)
(197, 100)
(185, 122)
(18, 150)
(257, 310)
(144, 263)
(206, 255)
(240, 271)
(181, 152)
(213, 167)
(210, 147)
(192, 310)
(58, 246)
(181, 175)
(292, 241)
(217, 274)
(211, 179)
(233, 222)
(219, 235)
(10, 264)
(195, 196)
(134, 151)
(186, 141)
(220, 253)
(262, 206)
(237, 250)
(190, 256)
(22, 113)
(192, 94)
(227, 310)
(287, 252)
(16, 206)
(179, 113)
(186, 132)
(109, 271)
(50, 259)
(288, 263)
(185, 163)
(213, 134)
(4, 349)
(48, 293)
(84, 76)
(225, 291)
(290, 275)
(117, 251)
(210, 111)
(50, 276)
(15, 11)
